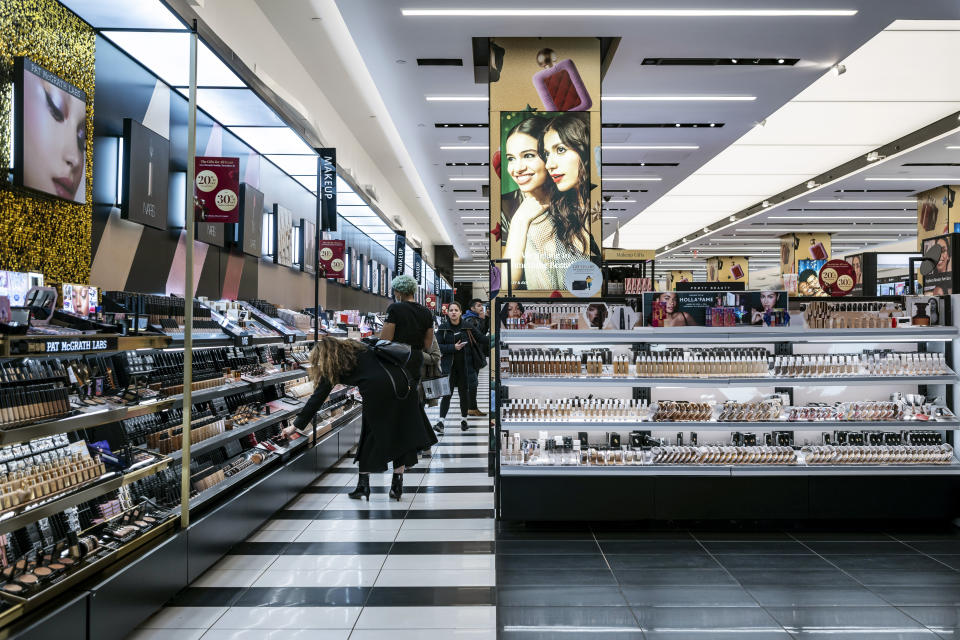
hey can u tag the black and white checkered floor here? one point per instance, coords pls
(331, 568)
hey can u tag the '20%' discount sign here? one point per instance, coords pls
(216, 187)
(837, 277)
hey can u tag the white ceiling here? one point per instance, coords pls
(700, 189)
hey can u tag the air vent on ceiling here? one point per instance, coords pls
(873, 190)
(931, 164)
(661, 125)
(641, 164)
(721, 62)
(440, 62)
(464, 190)
(468, 164)
(461, 125)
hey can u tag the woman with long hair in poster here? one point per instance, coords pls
(543, 244)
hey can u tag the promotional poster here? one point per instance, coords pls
(544, 116)
(926, 311)
(80, 299)
(797, 247)
(146, 175)
(308, 246)
(729, 269)
(715, 309)
(332, 261)
(934, 213)
(283, 235)
(514, 314)
(837, 278)
(808, 280)
(856, 261)
(251, 227)
(50, 143)
(215, 196)
(940, 249)
(679, 276)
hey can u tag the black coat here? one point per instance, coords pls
(393, 429)
(446, 340)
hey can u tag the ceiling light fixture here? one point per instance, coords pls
(871, 218)
(873, 156)
(845, 201)
(553, 12)
(650, 147)
(457, 98)
(953, 147)
(639, 179)
(678, 98)
(945, 180)
(839, 69)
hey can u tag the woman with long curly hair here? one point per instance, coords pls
(394, 425)
(544, 241)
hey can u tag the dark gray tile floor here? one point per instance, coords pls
(577, 581)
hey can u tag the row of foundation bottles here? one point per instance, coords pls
(577, 409)
(727, 363)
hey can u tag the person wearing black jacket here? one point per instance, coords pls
(394, 424)
(477, 314)
(459, 359)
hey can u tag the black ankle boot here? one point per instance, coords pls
(463, 425)
(396, 487)
(363, 488)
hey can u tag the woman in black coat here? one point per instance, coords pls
(394, 424)
(454, 338)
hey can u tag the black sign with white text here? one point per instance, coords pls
(418, 266)
(400, 253)
(327, 186)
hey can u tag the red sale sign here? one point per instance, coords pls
(216, 189)
(331, 258)
(431, 300)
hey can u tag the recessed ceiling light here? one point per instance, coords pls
(461, 147)
(553, 12)
(651, 147)
(463, 179)
(846, 201)
(457, 98)
(640, 179)
(945, 180)
(678, 98)
(953, 147)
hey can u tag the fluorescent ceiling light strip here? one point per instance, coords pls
(465, 147)
(800, 218)
(552, 12)
(848, 201)
(473, 217)
(462, 179)
(643, 179)
(650, 147)
(678, 98)
(910, 180)
(457, 98)
(472, 201)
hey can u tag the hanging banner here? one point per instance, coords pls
(838, 278)
(216, 189)
(436, 283)
(431, 302)
(327, 181)
(418, 266)
(331, 258)
(400, 253)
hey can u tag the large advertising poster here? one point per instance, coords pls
(545, 171)
(679, 276)
(146, 175)
(215, 197)
(283, 235)
(933, 213)
(715, 309)
(50, 141)
(939, 249)
(251, 227)
(729, 269)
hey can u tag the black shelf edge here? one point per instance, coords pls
(209, 444)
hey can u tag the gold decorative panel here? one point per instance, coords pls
(40, 233)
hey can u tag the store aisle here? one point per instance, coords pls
(331, 568)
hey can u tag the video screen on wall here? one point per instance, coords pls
(50, 144)
(146, 175)
(80, 299)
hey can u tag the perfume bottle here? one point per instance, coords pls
(559, 84)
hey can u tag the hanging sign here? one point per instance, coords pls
(331, 254)
(837, 277)
(431, 301)
(400, 253)
(418, 266)
(327, 180)
(216, 189)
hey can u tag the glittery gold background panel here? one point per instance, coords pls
(40, 233)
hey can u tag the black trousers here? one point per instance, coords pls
(458, 381)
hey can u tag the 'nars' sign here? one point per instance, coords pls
(327, 181)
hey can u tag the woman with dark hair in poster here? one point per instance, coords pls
(596, 315)
(768, 302)
(512, 310)
(525, 165)
(542, 245)
(673, 316)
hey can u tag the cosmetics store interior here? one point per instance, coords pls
(709, 248)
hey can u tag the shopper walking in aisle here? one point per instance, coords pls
(477, 314)
(459, 358)
(394, 425)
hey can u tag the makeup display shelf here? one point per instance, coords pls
(602, 441)
(101, 390)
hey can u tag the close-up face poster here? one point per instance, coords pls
(545, 170)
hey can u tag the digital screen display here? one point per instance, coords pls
(51, 139)
(79, 299)
(146, 175)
